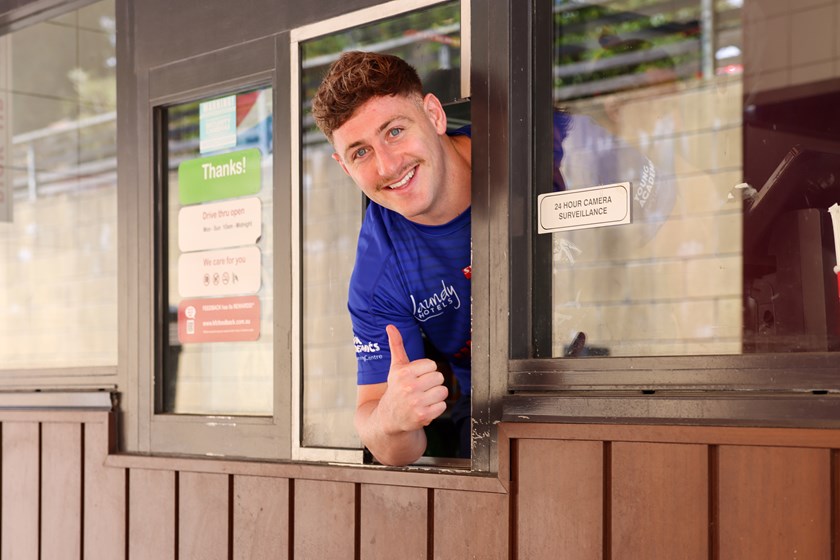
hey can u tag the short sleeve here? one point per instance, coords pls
(378, 298)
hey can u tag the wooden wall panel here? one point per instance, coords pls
(61, 491)
(471, 525)
(260, 518)
(151, 518)
(559, 499)
(774, 502)
(203, 513)
(20, 490)
(325, 520)
(104, 498)
(659, 501)
(394, 522)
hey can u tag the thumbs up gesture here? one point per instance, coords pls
(415, 394)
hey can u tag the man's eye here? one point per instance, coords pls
(359, 153)
(396, 131)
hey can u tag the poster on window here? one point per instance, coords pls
(5, 129)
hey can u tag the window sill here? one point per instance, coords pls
(422, 475)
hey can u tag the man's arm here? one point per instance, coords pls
(390, 416)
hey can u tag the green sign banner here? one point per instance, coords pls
(221, 176)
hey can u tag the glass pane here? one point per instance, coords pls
(732, 165)
(218, 351)
(332, 209)
(58, 281)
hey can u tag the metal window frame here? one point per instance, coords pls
(296, 37)
(240, 67)
(760, 389)
(15, 16)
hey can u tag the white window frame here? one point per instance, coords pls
(297, 36)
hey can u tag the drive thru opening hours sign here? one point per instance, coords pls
(601, 206)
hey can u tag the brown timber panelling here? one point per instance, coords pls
(386, 514)
(470, 525)
(203, 516)
(578, 492)
(260, 518)
(104, 498)
(774, 502)
(659, 501)
(678, 492)
(61, 490)
(553, 474)
(325, 519)
(21, 491)
(151, 526)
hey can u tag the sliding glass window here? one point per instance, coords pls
(688, 205)
(58, 187)
(218, 350)
(332, 207)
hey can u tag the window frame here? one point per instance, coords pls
(238, 68)
(752, 389)
(297, 36)
(16, 16)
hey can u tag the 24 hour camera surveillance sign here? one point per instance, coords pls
(601, 206)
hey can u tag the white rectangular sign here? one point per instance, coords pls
(230, 223)
(605, 205)
(219, 273)
(6, 186)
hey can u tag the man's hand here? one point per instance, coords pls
(415, 394)
(390, 416)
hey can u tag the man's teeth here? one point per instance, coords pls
(402, 183)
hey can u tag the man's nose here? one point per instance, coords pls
(387, 162)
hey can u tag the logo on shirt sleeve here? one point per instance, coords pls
(365, 348)
(367, 351)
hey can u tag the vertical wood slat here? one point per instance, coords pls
(774, 502)
(324, 520)
(559, 499)
(470, 525)
(260, 518)
(151, 532)
(20, 491)
(61, 490)
(104, 498)
(660, 500)
(203, 513)
(394, 522)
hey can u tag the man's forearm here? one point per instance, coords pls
(400, 448)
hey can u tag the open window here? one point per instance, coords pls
(330, 209)
(684, 204)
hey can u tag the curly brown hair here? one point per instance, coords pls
(355, 78)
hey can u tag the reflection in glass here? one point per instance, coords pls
(733, 158)
(58, 280)
(217, 353)
(332, 210)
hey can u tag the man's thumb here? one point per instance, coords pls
(395, 341)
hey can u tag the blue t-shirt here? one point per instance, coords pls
(417, 278)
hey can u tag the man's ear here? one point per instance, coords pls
(434, 110)
(337, 158)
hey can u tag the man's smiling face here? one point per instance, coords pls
(392, 148)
